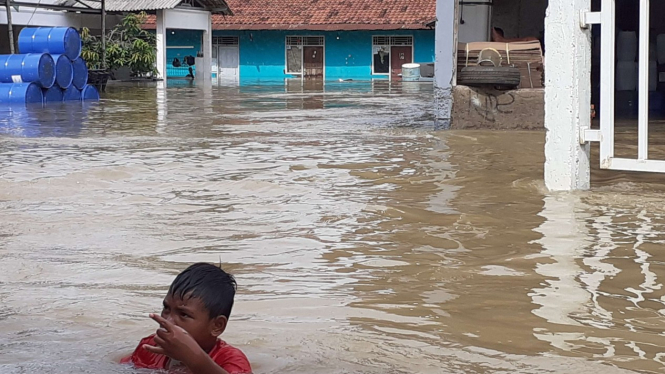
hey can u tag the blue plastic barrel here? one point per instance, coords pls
(64, 72)
(80, 73)
(71, 94)
(89, 93)
(53, 40)
(53, 94)
(20, 93)
(31, 67)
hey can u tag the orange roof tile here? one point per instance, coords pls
(324, 15)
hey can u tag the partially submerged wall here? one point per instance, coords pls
(478, 108)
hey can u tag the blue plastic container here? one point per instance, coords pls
(80, 73)
(64, 72)
(53, 94)
(71, 94)
(53, 40)
(89, 93)
(20, 93)
(31, 67)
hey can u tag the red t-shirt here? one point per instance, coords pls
(229, 358)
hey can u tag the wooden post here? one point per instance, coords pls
(104, 34)
(10, 27)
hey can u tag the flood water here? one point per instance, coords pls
(363, 239)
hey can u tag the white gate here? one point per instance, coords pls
(606, 18)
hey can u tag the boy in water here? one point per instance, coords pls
(196, 311)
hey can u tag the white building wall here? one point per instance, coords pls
(476, 26)
(187, 19)
(26, 16)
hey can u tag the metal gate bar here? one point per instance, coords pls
(643, 100)
(607, 20)
(607, 74)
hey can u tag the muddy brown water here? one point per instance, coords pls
(363, 239)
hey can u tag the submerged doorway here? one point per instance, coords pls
(313, 62)
(389, 53)
(226, 57)
(305, 56)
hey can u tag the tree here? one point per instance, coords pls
(127, 44)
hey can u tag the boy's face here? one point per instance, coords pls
(192, 315)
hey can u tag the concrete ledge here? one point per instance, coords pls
(479, 108)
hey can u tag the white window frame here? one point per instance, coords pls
(392, 42)
(305, 41)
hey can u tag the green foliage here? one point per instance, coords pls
(127, 44)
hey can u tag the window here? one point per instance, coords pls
(294, 51)
(381, 46)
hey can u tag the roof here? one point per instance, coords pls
(325, 15)
(144, 5)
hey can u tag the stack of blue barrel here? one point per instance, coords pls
(49, 68)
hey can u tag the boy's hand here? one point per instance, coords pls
(174, 342)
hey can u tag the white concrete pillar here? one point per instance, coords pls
(161, 44)
(446, 54)
(207, 49)
(567, 95)
(204, 69)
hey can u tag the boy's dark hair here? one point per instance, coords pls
(215, 287)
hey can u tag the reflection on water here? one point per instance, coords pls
(363, 239)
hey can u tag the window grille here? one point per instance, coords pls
(225, 40)
(305, 40)
(392, 40)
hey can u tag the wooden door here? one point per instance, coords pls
(398, 57)
(313, 61)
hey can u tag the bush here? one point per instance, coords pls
(127, 44)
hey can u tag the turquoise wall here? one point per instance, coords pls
(182, 38)
(191, 39)
(262, 53)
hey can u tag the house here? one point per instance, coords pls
(193, 17)
(328, 40)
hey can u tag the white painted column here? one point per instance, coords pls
(161, 44)
(204, 65)
(446, 54)
(207, 49)
(567, 95)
